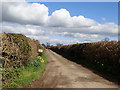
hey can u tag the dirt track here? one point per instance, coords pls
(61, 73)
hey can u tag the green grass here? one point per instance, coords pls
(27, 74)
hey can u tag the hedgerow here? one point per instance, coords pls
(103, 56)
(17, 52)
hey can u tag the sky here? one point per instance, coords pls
(62, 22)
(61, 0)
(93, 10)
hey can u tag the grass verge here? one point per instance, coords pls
(29, 73)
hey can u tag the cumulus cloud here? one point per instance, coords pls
(13, 0)
(60, 18)
(39, 33)
(25, 13)
(33, 20)
(34, 32)
(107, 28)
(81, 21)
(79, 36)
(110, 29)
(24, 29)
(37, 14)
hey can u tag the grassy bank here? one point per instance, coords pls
(26, 74)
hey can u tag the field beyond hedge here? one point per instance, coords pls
(101, 56)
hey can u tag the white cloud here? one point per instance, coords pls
(24, 29)
(32, 20)
(13, 0)
(60, 18)
(80, 36)
(38, 33)
(104, 19)
(107, 28)
(25, 13)
(37, 14)
(81, 21)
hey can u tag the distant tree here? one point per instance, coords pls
(59, 44)
(43, 45)
(37, 40)
(106, 39)
(77, 42)
(48, 44)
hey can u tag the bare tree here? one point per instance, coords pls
(48, 44)
(59, 44)
(106, 39)
(43, 45)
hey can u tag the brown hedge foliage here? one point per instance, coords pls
(101, 53)
(105, 53)
(17, 50)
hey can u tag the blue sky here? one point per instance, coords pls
(72, 0)
(93, 10)
(70, 22)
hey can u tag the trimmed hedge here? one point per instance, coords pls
(17, 50)
(104, 55)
